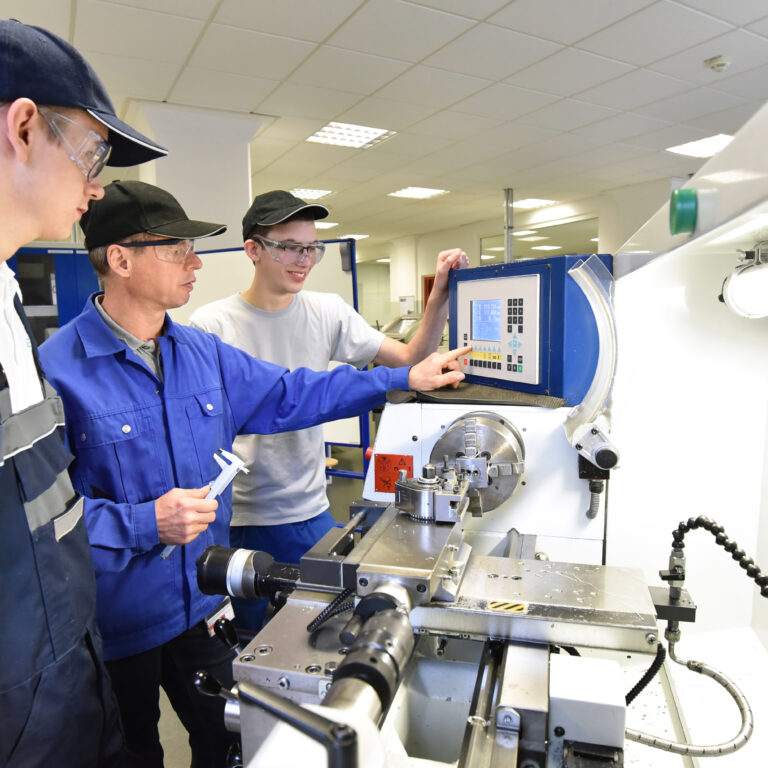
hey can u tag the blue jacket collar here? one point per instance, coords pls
(98, 339)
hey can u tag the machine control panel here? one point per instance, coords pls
(500, 319)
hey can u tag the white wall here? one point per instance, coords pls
(690, 421)
(373, 297)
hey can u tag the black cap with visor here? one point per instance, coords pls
(38, 65)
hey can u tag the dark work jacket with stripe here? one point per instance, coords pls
(56, 704)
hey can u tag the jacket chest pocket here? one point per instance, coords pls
(209, 431)
(117, 457)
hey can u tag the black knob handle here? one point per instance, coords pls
(207, 684)
(225, 630)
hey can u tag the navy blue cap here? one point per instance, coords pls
(38, 65)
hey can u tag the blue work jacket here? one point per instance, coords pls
(135, 437)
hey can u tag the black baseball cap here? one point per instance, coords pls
(275, 207)
(38, 65)
(133, 207)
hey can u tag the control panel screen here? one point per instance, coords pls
(486, 319)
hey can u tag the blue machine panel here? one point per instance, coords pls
(530, 326)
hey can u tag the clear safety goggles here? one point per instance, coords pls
(288, 252)
(172, 249)
(89, 152)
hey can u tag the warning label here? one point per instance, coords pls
(507, 607)
(387, 468)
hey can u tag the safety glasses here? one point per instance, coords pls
(292, 253)
(87, 150)
(173, 250)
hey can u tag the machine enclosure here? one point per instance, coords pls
(568, 341)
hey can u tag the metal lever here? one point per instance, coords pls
(225, 630)
(208, 685)
(230, 466)
(339, 739)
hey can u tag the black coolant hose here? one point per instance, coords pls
(736, 552)
(747, 722)
(650, 673)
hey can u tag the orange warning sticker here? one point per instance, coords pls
(387, 468)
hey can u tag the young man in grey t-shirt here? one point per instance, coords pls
(281, 506)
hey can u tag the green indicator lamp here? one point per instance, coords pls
(683, 210)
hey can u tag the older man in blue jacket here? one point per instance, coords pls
(148, 403)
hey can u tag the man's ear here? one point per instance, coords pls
(18, 124)
(253, 250)
(119, 260)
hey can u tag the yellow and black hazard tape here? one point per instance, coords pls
(507, 607)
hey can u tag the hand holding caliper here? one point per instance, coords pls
(230, 466)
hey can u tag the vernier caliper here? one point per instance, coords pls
(230, 466)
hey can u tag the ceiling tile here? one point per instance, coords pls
(653, 33)
(291, 128)
(133, 77)
(411, 144)
(620, 127)
(741, 12)
(749, 85)
(221, 90)
(504, 102)
(491, 52)
(727, 120)
(568, 71)
(691, 104)
(760, 27)
(349, 71)
(385, 113)
(477, 9)
(565, 21)
(289, 18)
(243, 52)
(143, 34)
(634, 89)
(398, 29)
(264, 151)
(669, 136)
(195, 9)
(307, 101)
(53, 16)
(567, 114)
(745, 49)
(453, 125)
(433, 87)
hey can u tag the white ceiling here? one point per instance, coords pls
(555, 98)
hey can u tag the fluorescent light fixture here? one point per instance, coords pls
(418, 193)
(546, 247)
(533, 202)
(594, 239)
(326, 224)
(523, 232)
(703, 147)
(349, 135)
(311, 194)
(533, 239)
(383, 261)
(496, 248)
(732, 177)
(487, 256)
(353, 237)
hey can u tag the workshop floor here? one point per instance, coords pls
(342, 492)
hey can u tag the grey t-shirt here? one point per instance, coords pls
(286, 480)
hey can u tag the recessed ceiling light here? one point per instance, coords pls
(383, 261)
(497, 248)
(311, 194)
(418, 193)
(594, 239)
(533, 202)
(353, 237)
(534, 239)
(349, 135)
(487, 256)
(546, 247)
(523, 232)
(703, 147)
(326, 224)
